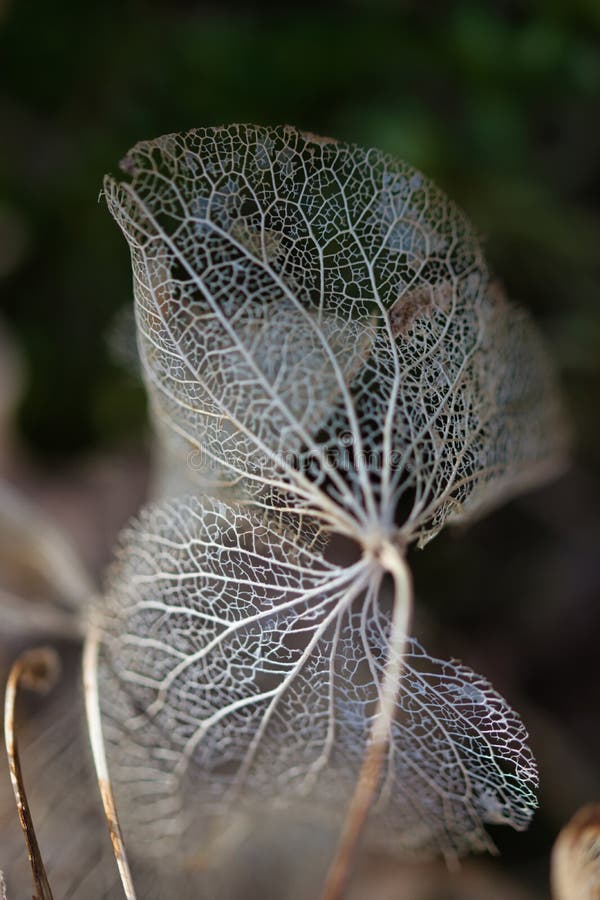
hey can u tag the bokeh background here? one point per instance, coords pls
(500, 103)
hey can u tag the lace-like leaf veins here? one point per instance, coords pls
(256, 671)
(325, 352)
(319, 322)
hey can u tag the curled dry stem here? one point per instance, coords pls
(36, 670)
(380, 734)
(92, 707)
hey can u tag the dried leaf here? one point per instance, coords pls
(38, 562)
(324, 350)
(261, 260)
(241, 672)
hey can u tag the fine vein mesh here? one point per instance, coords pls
(317, 324)
(240, 673)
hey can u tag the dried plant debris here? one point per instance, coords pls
(66, 814)
(576, 857)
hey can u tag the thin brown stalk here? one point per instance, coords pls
(36, 670)
(92, 706)
(368, 780)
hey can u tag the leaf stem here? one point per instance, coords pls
(379, 737)
(37, 670)
(92, 708)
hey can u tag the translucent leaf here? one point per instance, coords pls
(318, 321)
(325, 353)
(241, 673)
(291, 348)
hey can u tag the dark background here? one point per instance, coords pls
(500, 103)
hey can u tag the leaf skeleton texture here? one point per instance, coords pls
(318, 321)
(326, 355)
(239, 671)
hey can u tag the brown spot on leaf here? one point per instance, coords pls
(311, 138)
(418, 302)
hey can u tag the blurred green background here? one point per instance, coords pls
(500, 103)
